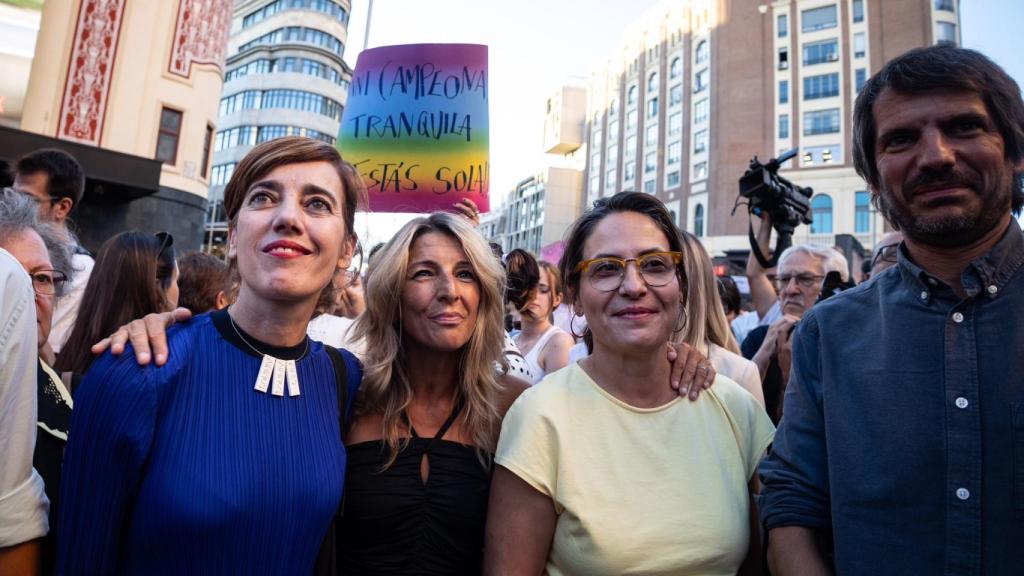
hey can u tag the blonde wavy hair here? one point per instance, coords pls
(387, 383)
(705, 317)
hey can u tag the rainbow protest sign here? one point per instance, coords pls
(416, 126)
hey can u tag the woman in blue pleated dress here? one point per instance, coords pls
(226, 459)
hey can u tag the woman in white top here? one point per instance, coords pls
(707, 328)
(545, 347)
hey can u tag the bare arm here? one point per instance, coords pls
(762, 293)
(520, 526)
(555, 355)
(794, 550)
(20, 559)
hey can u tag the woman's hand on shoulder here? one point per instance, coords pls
(148, 336)
(692, 372)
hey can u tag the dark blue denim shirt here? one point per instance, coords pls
(903, 426)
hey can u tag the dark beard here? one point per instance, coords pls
(950, 231)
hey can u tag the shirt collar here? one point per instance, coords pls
(989, 273)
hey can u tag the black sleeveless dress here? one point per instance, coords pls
(395, 524)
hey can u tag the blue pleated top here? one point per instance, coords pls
(186, 469)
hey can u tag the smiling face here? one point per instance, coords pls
(942, 166)
(440, 295)
(635, 316)
(289, 236)
(28, 248)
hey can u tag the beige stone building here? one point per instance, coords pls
(698, 87)
(536, 213)
(141, 79)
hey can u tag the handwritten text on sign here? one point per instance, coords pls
(416, 126)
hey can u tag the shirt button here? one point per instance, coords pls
(924, 295)
(958, 317)
(963, 493)
(993, 289)
(962, 403)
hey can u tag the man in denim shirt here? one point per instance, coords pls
(902, 446)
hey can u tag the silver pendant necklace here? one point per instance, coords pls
(275, 374)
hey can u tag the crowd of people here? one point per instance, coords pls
(442, 407)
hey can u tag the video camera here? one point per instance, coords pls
(787, 204)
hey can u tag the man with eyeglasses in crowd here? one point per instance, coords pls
(55, 181)
(801, 271)
(885, 255)
(902, 449)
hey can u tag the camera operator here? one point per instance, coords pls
(801, 270)
(761, 283)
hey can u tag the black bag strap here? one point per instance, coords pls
(327, 557)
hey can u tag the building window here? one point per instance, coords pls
(631, 120)
(675, 95)
(613, 154)
(613, 130)
(783, 58)
(821, 122)
(784, 126)
(649, 187)
(821, 213)
(820, 52)
(946, 5)
(222, 173)
(783, 91)
(698, 221)
(818, 18)
(823, 86)
(168, 136)
(782, 25)
(652, 83)
(700, 111)
(286, 99)
(858, 10)
(862, 213)
(613, 108)
(701, 81)
(297, 34)
(328, 7)
(652, 107)
(628, 172)
(630, 146)
(609, 178)
(859, 45)
(631, 95)
(861, 77)
(700, 142)
(650, 162)
(675, 152)
(207, 142)
(945, 33)
(595, 185)
(675, 69)
(675, 124)
(702, 52)
(673, 179)
(700, 170)
(651, 135)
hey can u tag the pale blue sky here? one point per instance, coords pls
(536, 44)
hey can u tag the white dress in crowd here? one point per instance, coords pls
(517, 364)
(532, 357)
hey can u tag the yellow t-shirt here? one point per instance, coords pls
(638, 490)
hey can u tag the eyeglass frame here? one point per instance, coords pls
(585, 265)
(880, 254)
(55, 281)
(166, 241)
(802, 280)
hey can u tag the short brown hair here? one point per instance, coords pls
(272, 154)
(200, 278)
